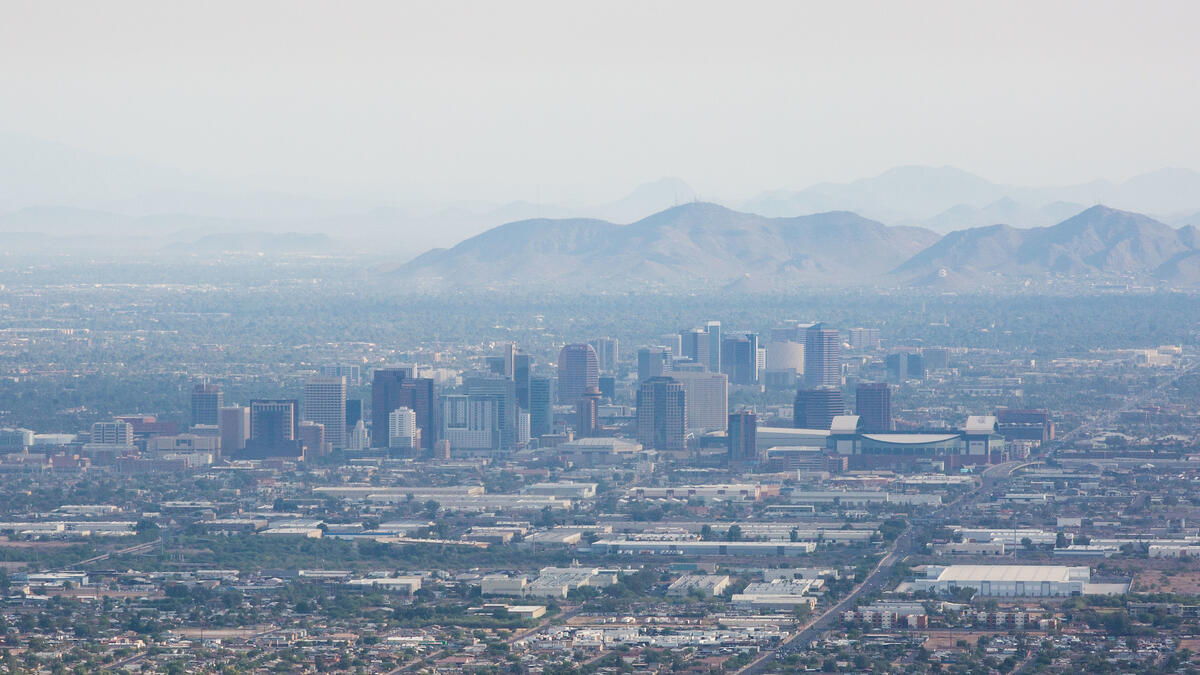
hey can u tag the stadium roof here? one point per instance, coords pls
(910, 439)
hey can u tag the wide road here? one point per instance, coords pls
(904, 546)
(561, 617)
(136, 548)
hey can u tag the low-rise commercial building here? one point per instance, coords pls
(692, 547)
(778, 594)
(1012, 580)
(708, 585)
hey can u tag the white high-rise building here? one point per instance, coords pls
(523, 428)
(233, 426)
(402, 428)
(325, 404)
(706, 396)
(358, 439)
(471, 422)
(112, 433)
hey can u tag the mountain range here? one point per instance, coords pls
(707, 246)
(1098, 242)
(698, 244)
(49, 188)
(59, 199)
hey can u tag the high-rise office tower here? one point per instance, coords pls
(662, 414)
(864, 339)
(653, 362)
(694, 344)
(352, 373)
(207, 399)
(606, 353)
(325, 404)
(672, 342)
(587, 414)
(873, 403)
(354, 408)
(393, 388)
(822, 357)
(510, 359)
(541, 410)
(233, 425)
(520, 377)
(402, 429)
(311, 436)
(504, 392)
(739, 358)
(713, 328)
(743, 436)
(273, 420)
(608, 387)
(816, 408)
(274, 429)
(904, 366)
(471, 422)
(495, 365)
(707, 396)
(577, 372)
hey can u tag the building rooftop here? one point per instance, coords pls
(980, 424)
(1026, 573)
(845, 424)
(910, 439)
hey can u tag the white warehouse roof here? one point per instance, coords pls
(1025, 573)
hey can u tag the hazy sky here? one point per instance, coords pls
(508, 100)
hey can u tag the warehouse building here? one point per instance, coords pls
(1018, 581)
(708, 585)
(671, 547)
(778, 594)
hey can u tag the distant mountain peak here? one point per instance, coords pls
(1099, 241)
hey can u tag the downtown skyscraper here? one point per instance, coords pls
(393, 388)
(662, 414)
(873, 404)
(325, 404)
(822, 357)
(578, 371)
(207, 399)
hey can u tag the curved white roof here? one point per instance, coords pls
(910, 439)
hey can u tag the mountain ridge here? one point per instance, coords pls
(1097, 242)
(706, 245)
(697, 243)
